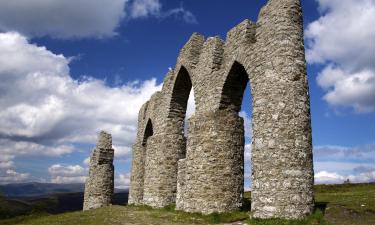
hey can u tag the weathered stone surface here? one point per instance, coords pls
(214, 165)
(205, 172)
(99, 185)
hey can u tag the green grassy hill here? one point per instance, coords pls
(349, 204)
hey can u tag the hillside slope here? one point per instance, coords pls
(351, 204)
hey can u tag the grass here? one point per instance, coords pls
(348, 204)
(128, 215)
(316, 218)
(12, 208)
(337, 204)
(352, 196)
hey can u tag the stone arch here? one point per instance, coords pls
(217, 146)
(149, 131)
(233, 88)
(181, 89)
(168, 144)
(180, 94)
(210, 177)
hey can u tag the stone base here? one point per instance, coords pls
(160, 183)
(137, 177)
(213, 177)
(99, 187)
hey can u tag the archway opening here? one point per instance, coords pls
(180, 95)
(234, 88)
(236, 98)
(189, 112)
(149, 131)
(179, 109)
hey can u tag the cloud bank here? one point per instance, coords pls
(69, 19)
(62, 19)
(336, 164)
(44, 111)
(342, 40)
(146, 8)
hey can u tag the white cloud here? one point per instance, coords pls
(6, 164)
(343, 37)
(147, 8)
(122, 151)
(144, 8)
(340, 167)
(9, 150)
(86, 161)
(356, 90)
(11, 176)
(6, 161)
(67, 173)
(122, 181)
(80, 18)
(336, 164)
(324, 177)
(182, 13)
(247, 124)
(247, 155)
(68, 170)
(68, 180)
(334, 153)
(41, 101)
(190, 109)
(62, 19)
(343, 33)
(44, 111)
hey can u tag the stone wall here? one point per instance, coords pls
(99, 185)
(205, 172)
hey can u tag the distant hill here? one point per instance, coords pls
(54, 203)
(35, 189)
(30, 198)
(38, 189)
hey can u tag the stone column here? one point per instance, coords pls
(212, 179)
(162, 155)
(180, 196)
(137, 176)
(100, 183)
(282, 166)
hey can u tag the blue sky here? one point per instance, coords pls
(72, 68)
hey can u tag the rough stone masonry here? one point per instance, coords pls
(205, 171)
(99, 185)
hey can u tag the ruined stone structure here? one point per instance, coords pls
(99, 185)
(205, 172)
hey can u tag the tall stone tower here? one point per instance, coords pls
(99, 185)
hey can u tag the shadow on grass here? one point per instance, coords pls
(246, 205)
(321, 206)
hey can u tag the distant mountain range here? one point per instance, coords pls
(40, 189)
(26, 198)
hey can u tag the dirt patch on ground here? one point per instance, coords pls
(339, 215)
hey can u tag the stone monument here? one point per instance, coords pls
(205, 172)
(99, 185)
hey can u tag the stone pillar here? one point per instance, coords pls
(99, 185)
(180, 197)
(137, 176)
(282, 166)
(214, 174)
(162, 154)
